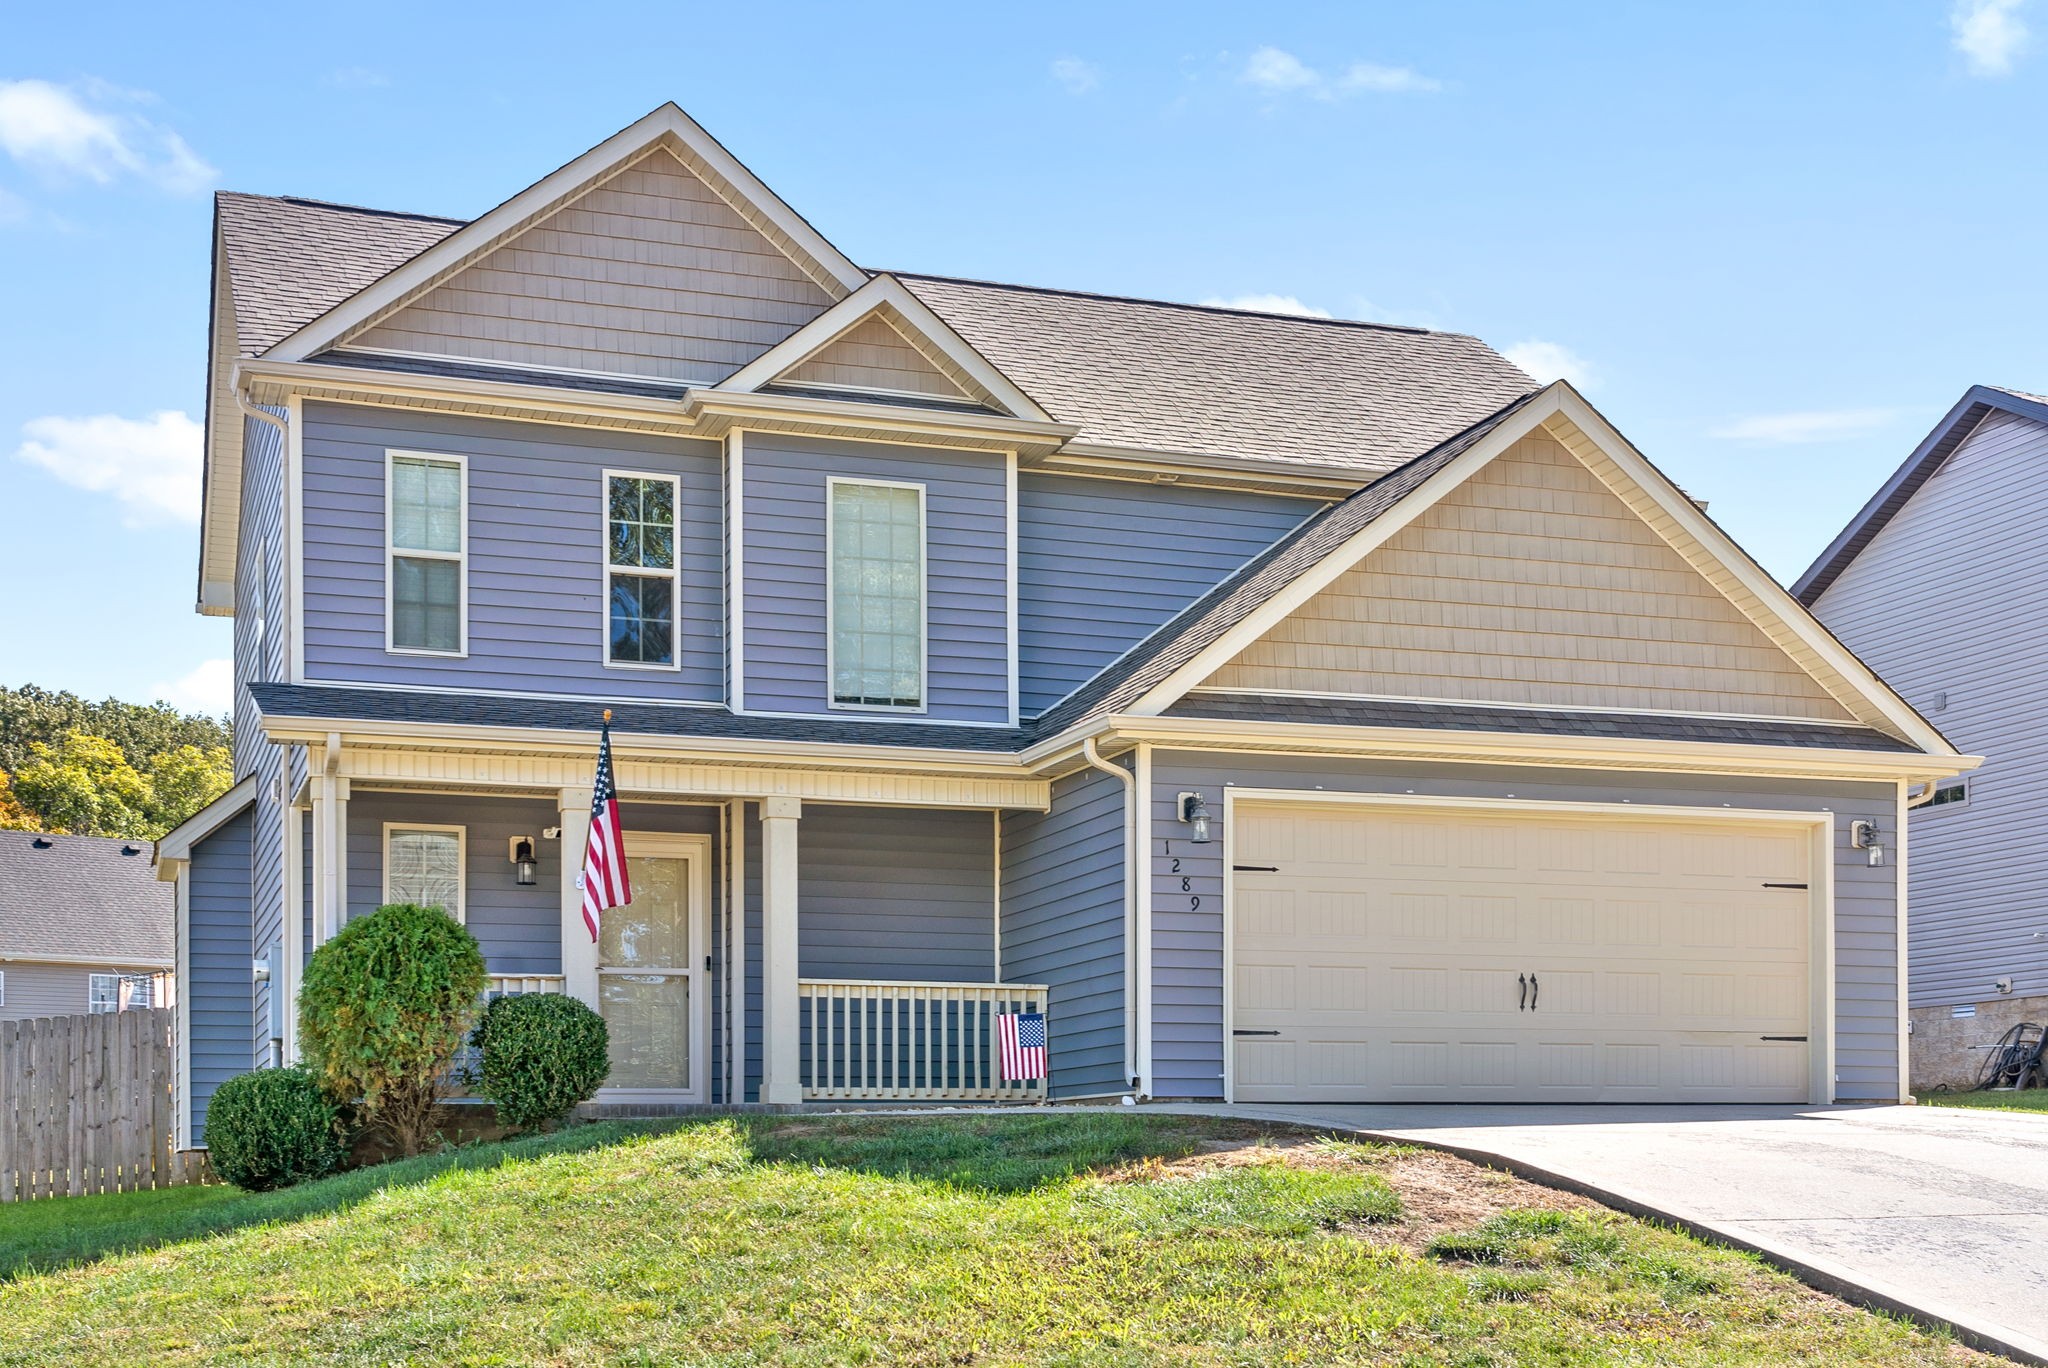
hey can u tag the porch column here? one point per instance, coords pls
(780, 1022)
(330, 856)
(579, 951)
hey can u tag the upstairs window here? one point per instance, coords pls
(426, 584)
(641, 574)
(1953, 794)
(875, 546)
(423, 865)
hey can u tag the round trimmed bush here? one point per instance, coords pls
(384, 1010)
(271, 1129)
(542, 1053)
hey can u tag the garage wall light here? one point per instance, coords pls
(1195, 812)
(1866, 836)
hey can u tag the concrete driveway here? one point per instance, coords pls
(1936, 1211)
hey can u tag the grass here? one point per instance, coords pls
(1051, 1238)
(2032, 1100)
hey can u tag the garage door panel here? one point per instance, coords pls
(1390, 957)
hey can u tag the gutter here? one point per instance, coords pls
(1136, 925)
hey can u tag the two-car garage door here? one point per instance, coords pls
(1437, 954)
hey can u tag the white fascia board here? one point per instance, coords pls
(718, 409)
(1584, 752)
(626, 145)
(1368, 538)
(177, 843)
(884, 291)
(1732, 558)
(284, 728)
(1139, 463)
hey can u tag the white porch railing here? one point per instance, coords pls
(892, 1040)
(509, 985)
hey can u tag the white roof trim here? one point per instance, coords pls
(666, 124)
(883, 295)
(177, 843)
(1867, 697)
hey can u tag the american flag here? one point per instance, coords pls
(604, 880)
(1022, 1037)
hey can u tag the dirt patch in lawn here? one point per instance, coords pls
(1439, 1192)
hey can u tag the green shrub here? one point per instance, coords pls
(271, 1129)
(541, 1054)
(383, 1011)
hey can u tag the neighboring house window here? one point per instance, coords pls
(103, 993)
(875, 538)
(3, 987)
(641, 576)
(1950, 795)
(426, 580)
(423, 864)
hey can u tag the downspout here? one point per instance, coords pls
(1131, 948)
(242, 403)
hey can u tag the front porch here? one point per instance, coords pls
(780, 949)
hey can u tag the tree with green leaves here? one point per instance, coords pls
(106, 769)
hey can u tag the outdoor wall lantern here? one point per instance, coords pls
(523, 859)
(1866, 836)
(1195, 813)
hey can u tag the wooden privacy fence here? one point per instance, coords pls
(85, 1105)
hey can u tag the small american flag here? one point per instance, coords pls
(604, 880)
(1022, 1037)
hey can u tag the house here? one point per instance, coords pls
(1296, 709)
(1938, 582)
(84, 926)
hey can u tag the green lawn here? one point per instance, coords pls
(1048, 1238)
(2032, 1100)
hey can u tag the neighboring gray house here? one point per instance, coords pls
(1298, 709)
(85, 926)
(1940, 582)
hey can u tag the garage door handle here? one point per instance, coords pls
(1522, 982)
(1239, 1033)
(1535, 989)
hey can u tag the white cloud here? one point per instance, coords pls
(1548, 361)
(1269, 303)
(1282, 73)
(209, 688)
(1078, 77)
(1989, 34)
(151, 465)
(86, 134)
(1793, 429)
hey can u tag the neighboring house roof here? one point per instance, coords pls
(1370, 712)
(1132, 373)
(83, 898)
(1918, 468)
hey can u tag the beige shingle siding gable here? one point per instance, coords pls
(649, 273)
(872, 355)
(1532, 583)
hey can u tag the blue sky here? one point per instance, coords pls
(1772, 242)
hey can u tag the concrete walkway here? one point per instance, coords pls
(1938, 1212)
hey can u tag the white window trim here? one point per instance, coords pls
(924, 572)
(3, 987)
(675, 572)
(461, 909)
(461, 558)
(1964, 784)
(92, 982)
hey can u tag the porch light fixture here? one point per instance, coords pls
(1865, 835)
(1195, 812)
(523, 860)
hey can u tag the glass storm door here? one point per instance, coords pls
(647, 977)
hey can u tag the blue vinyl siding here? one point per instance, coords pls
(1187, 946)
(967, 604)
(220, 1004)
(261, 642)
(536, 574)
(1102, 563)
(887, 893)
(1063, 925)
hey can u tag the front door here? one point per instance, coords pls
(650, 981)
